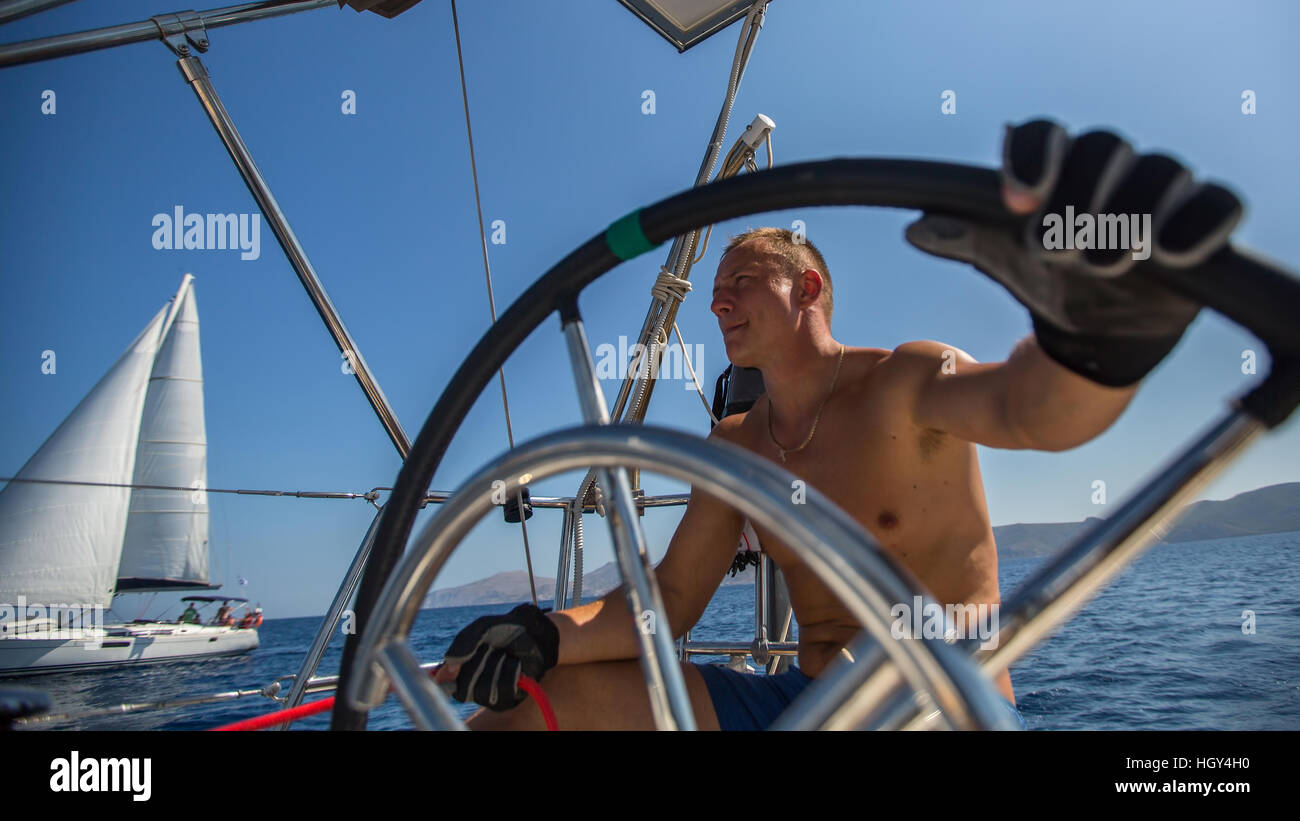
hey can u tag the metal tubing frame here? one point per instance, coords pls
(561, 502)
(762, 580)
(685, 243)
(197, 77)
(707, 648)
(562, 567)
(670, 704)
(16, 9)
(326, 630)
(842, 554)
(780, 614)
(49, 48)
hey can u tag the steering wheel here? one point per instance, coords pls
(1228, 282)
(833, 545)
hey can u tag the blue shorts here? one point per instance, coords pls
(749, 701)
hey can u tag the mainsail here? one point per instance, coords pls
(60, 543)
(166, 544)
(68, 544)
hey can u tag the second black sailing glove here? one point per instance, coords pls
(1102, 209)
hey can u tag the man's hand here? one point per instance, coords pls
(1091, 313)
(486, 659)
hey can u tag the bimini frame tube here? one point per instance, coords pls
(48, 48)
(183, 33)
(683, 247)
(326, 630)
(21, 8)
(197, 77)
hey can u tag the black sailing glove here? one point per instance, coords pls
(1090, 312)
(494, 650)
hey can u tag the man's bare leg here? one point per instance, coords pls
(603, 695)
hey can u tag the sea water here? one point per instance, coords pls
(1162, 648)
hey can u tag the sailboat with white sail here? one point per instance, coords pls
(114, 502)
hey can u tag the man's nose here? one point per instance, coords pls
(721, 304)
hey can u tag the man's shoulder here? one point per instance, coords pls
(925, 359)
(733, 428)
(928, 351)
(907, 371)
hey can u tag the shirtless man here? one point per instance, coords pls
(889, 436)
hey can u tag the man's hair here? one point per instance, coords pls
(799, 255)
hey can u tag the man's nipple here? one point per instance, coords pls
(887, 520)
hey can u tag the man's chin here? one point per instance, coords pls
(741, 355)
(742, 359)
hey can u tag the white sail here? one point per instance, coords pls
(60, 543)
(166, 544)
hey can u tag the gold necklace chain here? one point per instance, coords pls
(816, 418)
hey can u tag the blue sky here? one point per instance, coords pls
(383, 202)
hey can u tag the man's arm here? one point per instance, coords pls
(1026, 402)
(699, 554)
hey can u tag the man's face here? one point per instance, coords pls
(752, 301)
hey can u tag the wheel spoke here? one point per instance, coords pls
(426, 704)
(669, 703)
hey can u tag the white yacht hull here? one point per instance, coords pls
(44, 651)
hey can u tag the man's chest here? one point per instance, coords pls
(874, 463)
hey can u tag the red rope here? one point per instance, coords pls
(534, 689)
(526, 684)
(281, 717)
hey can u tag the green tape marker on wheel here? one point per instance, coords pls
(626, 239)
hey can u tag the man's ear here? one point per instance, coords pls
(810, 285)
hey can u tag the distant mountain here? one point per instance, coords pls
(1272, 509)
(1019, 541)
(507, 586)
(511, 587)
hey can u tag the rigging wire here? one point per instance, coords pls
(302, 494)
(487, 271)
